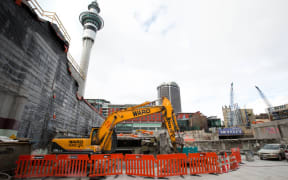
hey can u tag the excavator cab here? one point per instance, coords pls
(94, 135)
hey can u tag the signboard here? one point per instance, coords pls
(234, 131)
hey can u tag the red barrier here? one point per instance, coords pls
(236, 151)
(202, 163)
(227, 162)
(106, 164)
(35, 166)
(140, 165)
(219, 165)
(223, 163)
(233, 162)
(171, 165)
(72, 165)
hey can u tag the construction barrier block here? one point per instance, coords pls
(223, 163)
(236, 151)
(219, 165)
(106, 164)
(233, 162)
(171, 165)
(227, 162)
(29, 166)
(72, 165)
(140, 165)
(203, 163)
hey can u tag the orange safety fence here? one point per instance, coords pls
(35, 166)
(203, 163)
(72, 165)
(171, 165)
(29, 166)
(236, 151)
(106, 164)
(140, 165)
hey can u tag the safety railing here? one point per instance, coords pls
(53, 18)
(140, 165)
(75, 65)
(30, 166)
(171, 165)
(106, 164)
(72, 165)
(164, 165)
(203, 163)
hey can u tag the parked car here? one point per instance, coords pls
(272, 151)
(286, 152)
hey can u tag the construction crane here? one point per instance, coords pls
(235, 115)
(268, 104)
(231, 106)
(248, 124)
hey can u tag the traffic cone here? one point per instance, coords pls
(224, 169)
(227, 162)
(219, 165)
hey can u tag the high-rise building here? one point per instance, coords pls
(280, 112)
(246, 117)
(172, 91)
(91, 22)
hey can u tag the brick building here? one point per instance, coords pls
(192, 121)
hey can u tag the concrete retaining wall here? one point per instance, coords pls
(226, 144)
(272, 130)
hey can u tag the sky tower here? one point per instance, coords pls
(91, 22)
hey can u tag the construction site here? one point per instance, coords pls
(49, 130)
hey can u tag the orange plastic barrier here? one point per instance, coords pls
(171, 165)
(219, 165)
(35, 166)
(106, 164)
(227, 162)
(236, 151)
(140, 165)
(72, 165)
(223, 164)
(202, 163)
(233, 162)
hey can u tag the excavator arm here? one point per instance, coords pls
(104, 134)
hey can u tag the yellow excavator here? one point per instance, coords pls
(104, 138)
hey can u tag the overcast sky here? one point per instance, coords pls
(202, 45)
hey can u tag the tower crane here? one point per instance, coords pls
(235, 116)
(268, 104)
(231, 106)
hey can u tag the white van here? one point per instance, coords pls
(272, 151)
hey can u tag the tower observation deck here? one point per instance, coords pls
(91, 22)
